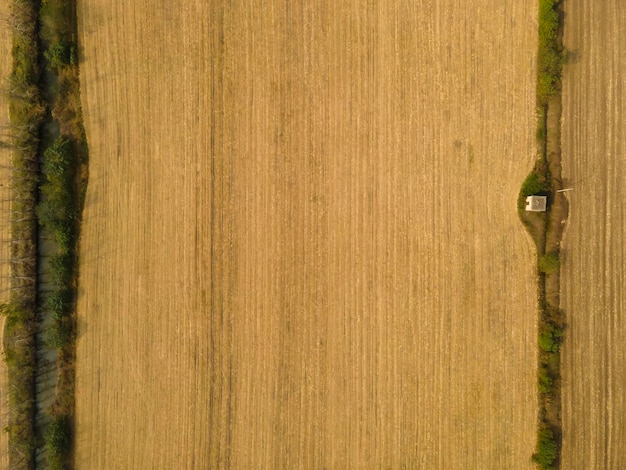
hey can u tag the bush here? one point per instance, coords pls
(58, 56)
(59, 334)
(550, 56)
(549, 263)
(61, 265)
(531, 185)
(58, 158)
(547, 342)
(57, 208)
(544, 380)
(537, 182)
(550, 339)
(13, 312)
(548, 20)
(547, 450)
(64, 235)
(58, 303)
(58, 440)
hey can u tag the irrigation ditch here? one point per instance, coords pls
(546, 229)
(49, 176)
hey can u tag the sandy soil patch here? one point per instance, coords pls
(593, 278)
(301, 246)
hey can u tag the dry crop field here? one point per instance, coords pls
(300, 245)
(5, 218)
(593, 282)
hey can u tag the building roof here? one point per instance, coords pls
(536, 203)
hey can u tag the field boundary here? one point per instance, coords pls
(26, 112)
(64, 180)
(546, 229)
(49, 173)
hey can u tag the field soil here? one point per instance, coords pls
(5, 218)
(300, 245)
(593, 279)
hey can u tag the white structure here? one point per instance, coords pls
(536, 203)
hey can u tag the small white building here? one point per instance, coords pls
(536, 203)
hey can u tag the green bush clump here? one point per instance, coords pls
(61, 267)
(549, 263)
(58, 158)
(547, 342)
(58, 302)
(547, 450)
(531, 185)
(537, 182)
(58, 439)
(56, 210)
(550, 339)
(59, 334)
(549, 57)
(548, 20)
(58, 55)
(544, 380)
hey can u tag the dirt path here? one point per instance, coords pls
(300, 245)
(594, 281)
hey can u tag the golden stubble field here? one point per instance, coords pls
(593, 275)
(300, 245)
(5, 217)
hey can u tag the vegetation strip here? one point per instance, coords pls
(27, 111)
(48, 182)
(546, 230)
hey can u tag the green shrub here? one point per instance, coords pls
(61, 265)
(549, 56)
(531, 185)
(58, 158)
(544, 380)
(58, 302)
(546, 87)
(550, 339)
(548, 19)
(56, 210)
(536, 182)
(64, 235)
(549, 263)
(58, 56)
(59, 334)
(13, 312)
(58, 440)
(546, 342)
(547, 450)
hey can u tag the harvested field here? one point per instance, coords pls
(300, 244)
(5, 219)
(593, 282)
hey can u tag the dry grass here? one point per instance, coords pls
(593, 280)
(300, 242)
